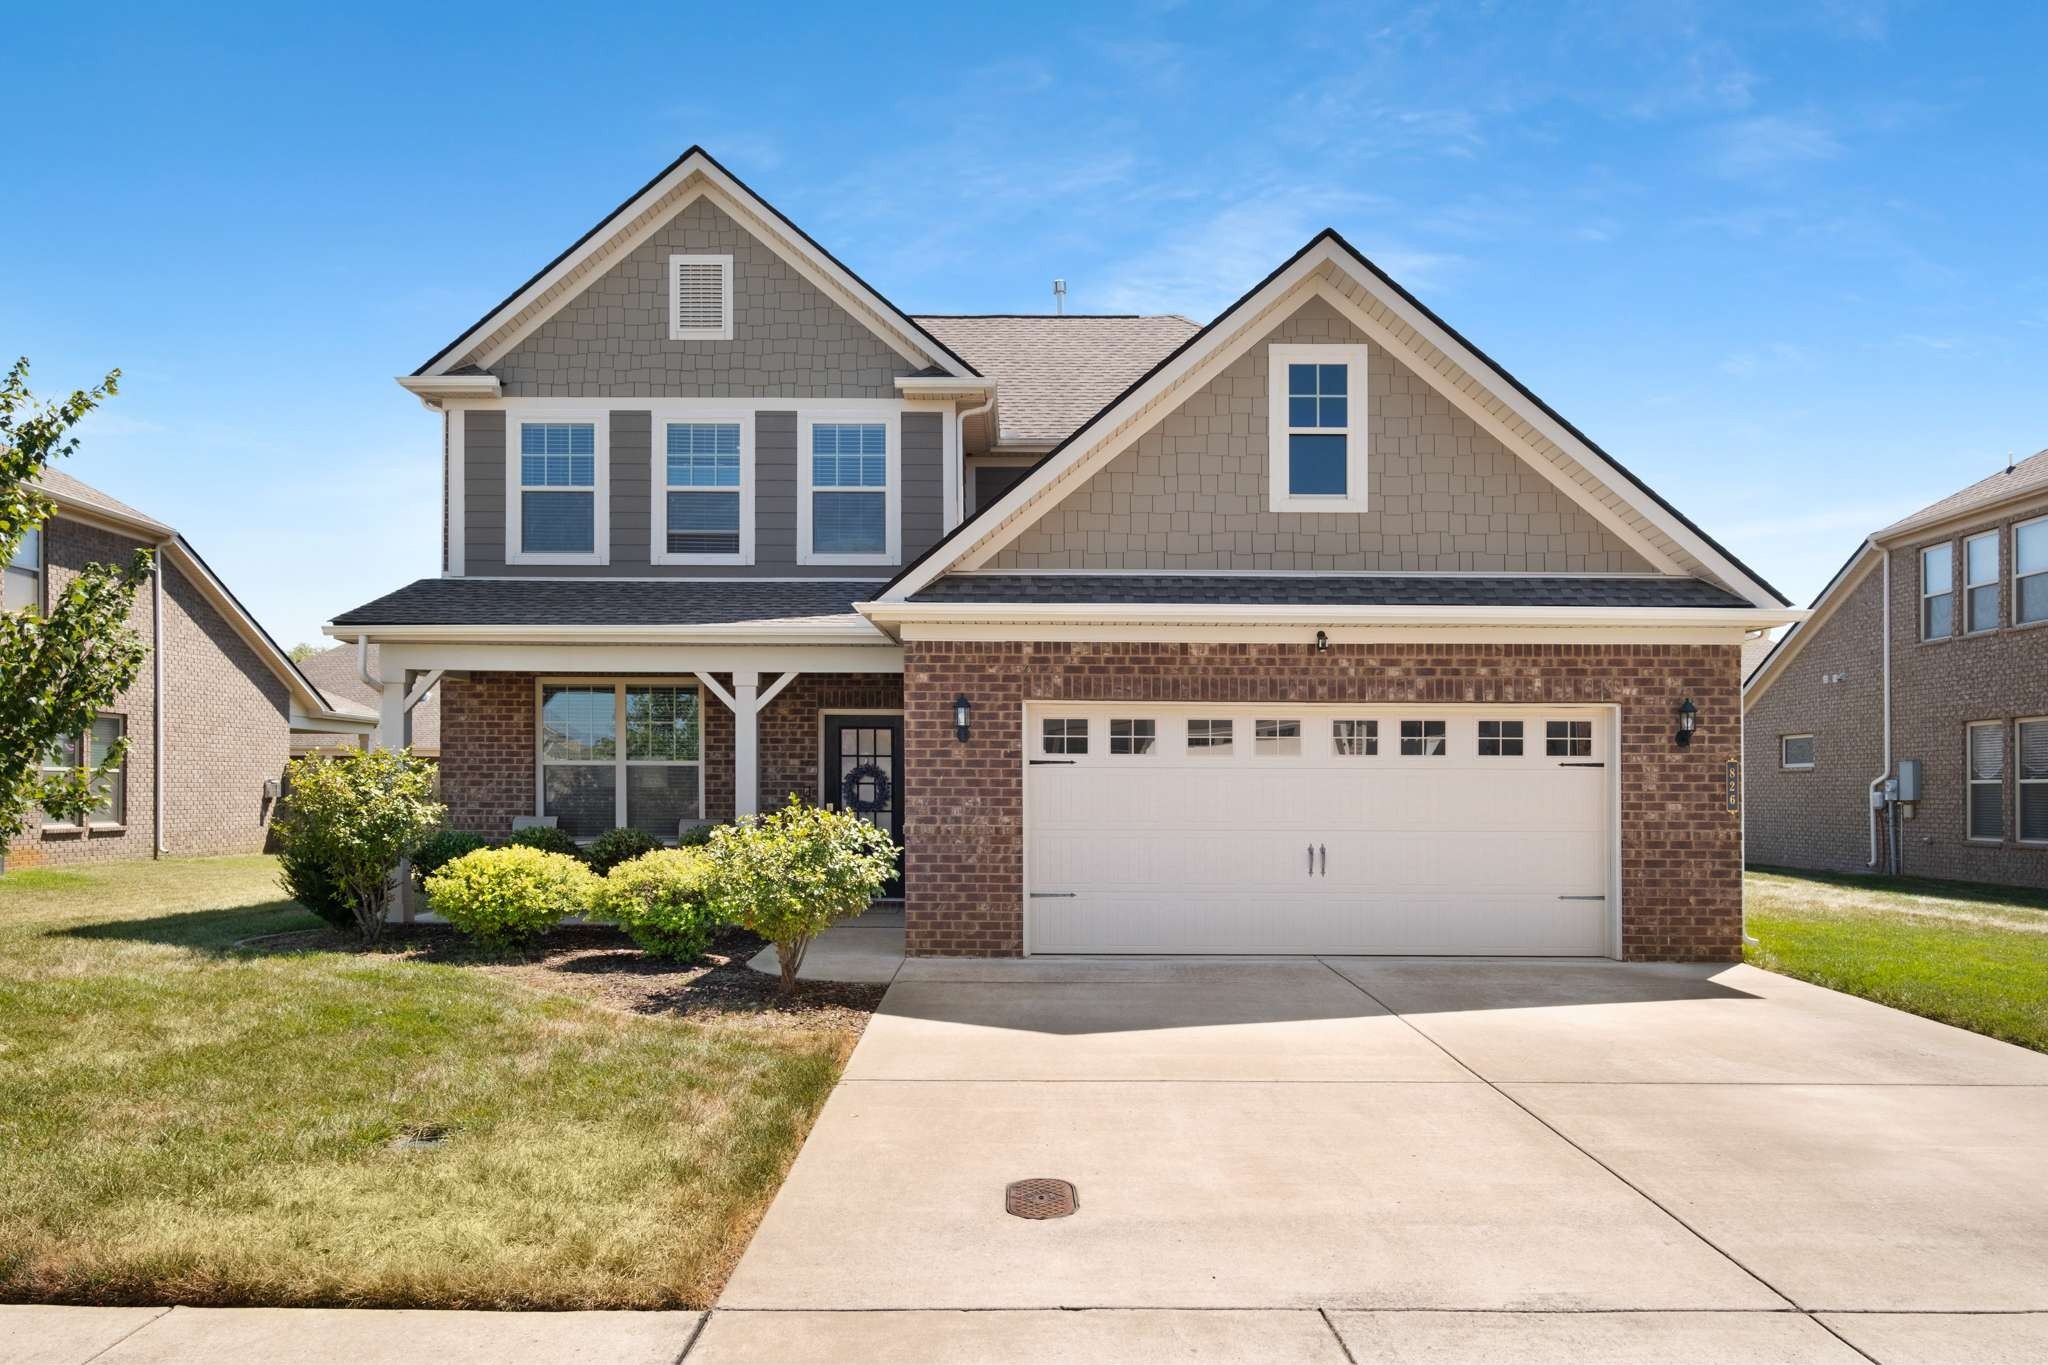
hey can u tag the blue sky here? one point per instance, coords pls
(1783, 260)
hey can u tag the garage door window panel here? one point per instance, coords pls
(1209, 738)
(1422, 738)
(1133, 737)
(1500, 739)
(1276, 738)
(1568, 738)
(1355, 738)
(1065, 736)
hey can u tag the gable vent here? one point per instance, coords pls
(700, 298)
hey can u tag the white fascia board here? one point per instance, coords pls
(1305, 634)
(1199, 614)
(644, 660)
(784, 633)
(86, 514)
(929, 388)
(435, 390)
(1839, 588)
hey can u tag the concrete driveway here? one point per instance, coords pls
(1381, 1159)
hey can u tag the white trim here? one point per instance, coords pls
(1785, 764)
(1971, 781)
(438, 390)
(892, 491)
(601, 495)
(763, 632)
(808, 261)
(658, 486)
(1969, 626)
(1107, 428)
(621, 660)
(1266, 613)
(1949, 592)
(620, 762)
(455, 431)
(1279, 427)
(676, 330)
(2020, 782)
(2017, 576)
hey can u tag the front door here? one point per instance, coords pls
(863, 767)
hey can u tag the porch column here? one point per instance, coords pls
(391, 715)
(746, 749)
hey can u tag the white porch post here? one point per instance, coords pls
(746, 748)
(391, 715)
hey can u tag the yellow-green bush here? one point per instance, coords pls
(659, 898)
(507, 897)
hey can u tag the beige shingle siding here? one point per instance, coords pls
(1191, 492)
(1054, 373)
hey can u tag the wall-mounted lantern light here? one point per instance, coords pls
(1322, 642)
(963, 717)
(1688, 717)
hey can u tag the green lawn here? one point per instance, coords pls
(1973, 956)
(185, 1121)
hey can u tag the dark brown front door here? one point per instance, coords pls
(863, 765)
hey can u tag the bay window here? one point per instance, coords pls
(1316, 428)
(615, 754)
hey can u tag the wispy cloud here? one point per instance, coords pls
(1769, 145)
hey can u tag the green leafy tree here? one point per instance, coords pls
(347, 823)
(791, 875)
(63, 668)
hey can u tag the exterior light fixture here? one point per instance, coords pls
(963, 717)
(1322, 642)
(1688, 717)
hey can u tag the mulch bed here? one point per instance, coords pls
(600, 964)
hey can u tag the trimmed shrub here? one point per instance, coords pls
(508, 897)
(547, 839)
(659, 898)
(308, 881)
(616, 846)
(696, 836)
(347, 824)
(789, 876)
(441, 848)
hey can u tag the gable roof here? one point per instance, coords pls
(1055, 371)
(646, 209)
(2028, 476)
(1465, 374)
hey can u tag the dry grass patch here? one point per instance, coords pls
(191, 1121)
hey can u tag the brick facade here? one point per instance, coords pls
(226, 723)
(1681, 859)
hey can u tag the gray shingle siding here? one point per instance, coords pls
(1507, 590)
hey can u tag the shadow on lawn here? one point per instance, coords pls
(1975, 893)
(208, 931)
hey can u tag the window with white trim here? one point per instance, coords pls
(1355, 738)
(704, 478)
(1937, 592)
(1795, 751)
(2030, 767)
(1980, 583)
(1133, 737)
(1500, 739)
(1568, 738)
(558, 485)
(849, 512)
(700, 298)
(1424, 738)
(1276, 738)
(24, 576)
(1211, 737)
(592, 779)
(1065, 735)
(1985, 758)
(96, 743)
(2030, 572)
(1316, 428)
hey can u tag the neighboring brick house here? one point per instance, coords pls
(338, 673)
(1951, 672)
(209, 719)
(1306, 630)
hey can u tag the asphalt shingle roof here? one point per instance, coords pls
(61, 485)
(1336, 590)
(608, 602)
(2027, 476)
(1053, 372)
(333, 671)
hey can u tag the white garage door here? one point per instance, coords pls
(1294, 829)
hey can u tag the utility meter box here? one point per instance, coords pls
(1909, 779)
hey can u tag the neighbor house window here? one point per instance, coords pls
(2030, 572)
(703, 503)
(1276, 738)
(700, 298)
(2030, 757)
(1980, 583)
(1209, 736)
(848, 510)
(1355, 738)
(1500, 739)
(1423, 737)
(557, 487)
(1937, 592)
(1132, 736)
(1986, 761)
(1066, 736)
(24, 586)
(619, 754)
(1568, 738)
(95, 744)
(1316, 428)
(1795, 751)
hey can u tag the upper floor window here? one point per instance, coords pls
(558, 483)
(849, 511)
(24, 585)
(1980, 583)
(703, 507)
(1937, 592)
(2030, 572)
(700, 298)
(1316, 428)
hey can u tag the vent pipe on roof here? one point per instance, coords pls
(1059, 297)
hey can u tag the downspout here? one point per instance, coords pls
(958, 514)
(156, 719)
(1878, 782)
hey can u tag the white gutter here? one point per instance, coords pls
(855, 633)
(1196, 613)
(957, 513)
(1879, 781)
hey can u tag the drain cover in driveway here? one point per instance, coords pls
(1039, 1199)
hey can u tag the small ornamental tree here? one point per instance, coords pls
(349, 821)
(791, 875)
(63, 662)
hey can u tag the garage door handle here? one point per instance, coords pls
(1582, 898)
(1054, 895)
(1052, 762)
(1325, 849)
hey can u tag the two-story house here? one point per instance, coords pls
(1306, 630)
(1926, 656)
